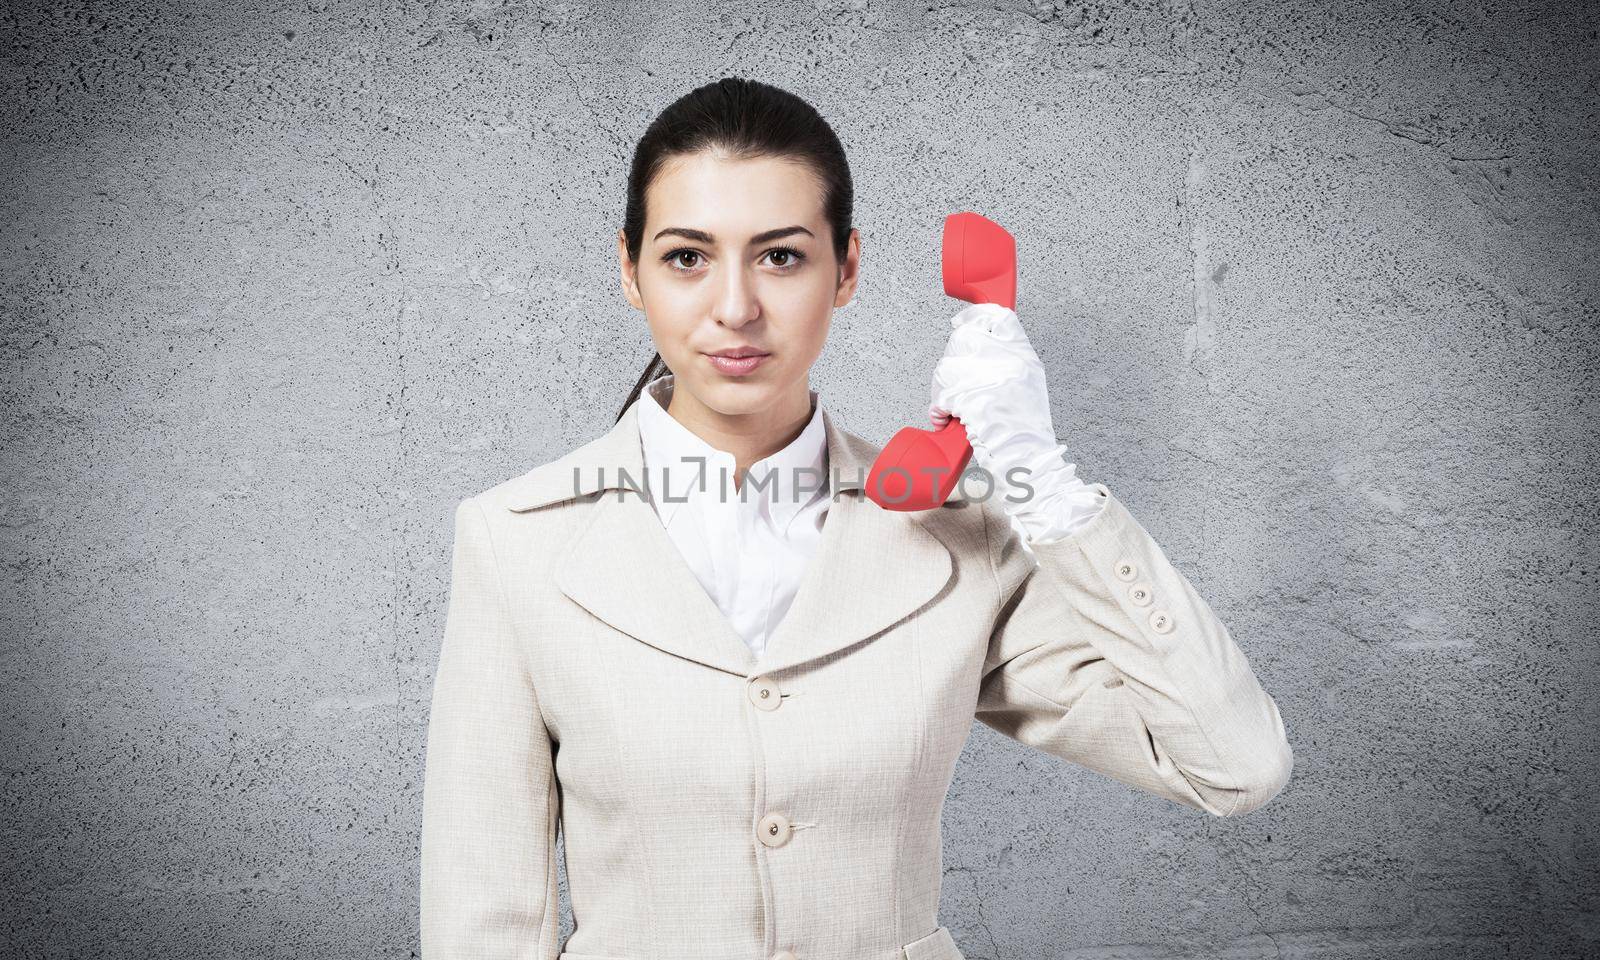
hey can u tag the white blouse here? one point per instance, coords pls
(748, 546)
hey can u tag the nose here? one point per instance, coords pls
(736, 303)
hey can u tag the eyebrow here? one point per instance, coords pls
(700, 236)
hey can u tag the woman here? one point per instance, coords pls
(743, 701)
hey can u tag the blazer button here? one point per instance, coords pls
(1125, 570)
(1141, 594)
(774, 830)
(764, 693)
(1160, 622)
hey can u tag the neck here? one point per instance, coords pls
(749, 437)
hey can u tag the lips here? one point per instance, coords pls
(737, 361)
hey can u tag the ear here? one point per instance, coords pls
(629, 271)
(849, 271)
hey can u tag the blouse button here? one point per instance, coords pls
(1160, 622)
(764, 693)
(1141, 594)
(1125, 570)
(774, 830)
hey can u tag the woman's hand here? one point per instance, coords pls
(993, 382)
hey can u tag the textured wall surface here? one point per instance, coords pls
(1316, 286)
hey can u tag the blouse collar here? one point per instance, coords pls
(681, 466)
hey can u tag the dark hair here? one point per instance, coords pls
(745, 119)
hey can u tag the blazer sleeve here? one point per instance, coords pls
(1103, 654)
(490, 803)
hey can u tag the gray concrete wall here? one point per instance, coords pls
(1316, 286)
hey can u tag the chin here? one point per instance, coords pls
(736, 395)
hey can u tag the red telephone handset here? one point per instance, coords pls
(918, 469)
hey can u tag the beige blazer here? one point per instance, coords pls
(719, 806)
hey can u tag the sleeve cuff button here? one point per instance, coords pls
(1160, 621)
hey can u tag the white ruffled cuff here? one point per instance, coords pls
(1059, 504)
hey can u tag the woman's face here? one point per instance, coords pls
(736, 253)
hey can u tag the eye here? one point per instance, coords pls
(672, 256)
(793, 258)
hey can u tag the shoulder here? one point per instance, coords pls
(523, 522)
(609, 460)
(534, 511)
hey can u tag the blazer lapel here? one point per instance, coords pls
(872, 567)
(625, 569)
